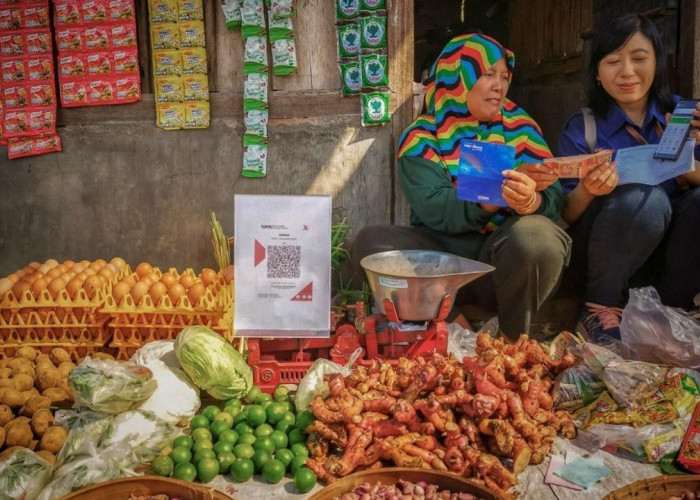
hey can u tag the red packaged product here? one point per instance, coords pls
(10, 18)
(14, 96)
(40, 68)
(128, 89)
(121, 10)
(42, 94)
(689, 454)
(96, 38)
(37, 41)
(101, 92)
(94, 11)
(123, 36)
(72, 65)
(66, 12)
(35, 16)
(69, 39)
(41, 120)
(15, 123)
(13, 70)
(126, 61)
(73, 94)
(28, 146)
(99, 63)
(12, 44)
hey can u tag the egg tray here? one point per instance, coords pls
(26, 318)
(96, 334)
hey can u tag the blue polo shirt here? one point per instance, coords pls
(612, 134)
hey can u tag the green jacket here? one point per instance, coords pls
(436, 209)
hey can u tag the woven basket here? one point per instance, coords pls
(388, 476)
(658, 488)
(120, 489)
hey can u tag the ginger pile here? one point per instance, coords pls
(434, 412)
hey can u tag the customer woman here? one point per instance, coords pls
(617, 228)
(466, 99)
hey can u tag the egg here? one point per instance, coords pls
(74, 285)
(92, 284)
(131, 279)
(55, 272)
(107, 274)
(187, 280)
(175, 292)
(90, 271)
(5, 285)
(78, 267)
(21, 273)
(169, 279)
(34, 265)
(144, 269)
(44, 268)
(20, 287)
(13, 277)
(96, 266)
(39, 286)
(55, 286)
(194, 293)
(67, 264)
(208, 276)
(138, 291)
(51, 262)
(157, 291)
(118, 262)
(120, 290)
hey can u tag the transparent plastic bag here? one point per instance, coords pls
(657, 333)
(313, 383)
(23, 475)
(576, 386)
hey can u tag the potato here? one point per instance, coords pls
(23, 382)
(19, 434)
(53, 439)
(16, 421)
(43, 358)
(6, 415)
(11, 397)
(102, 355)
(41, 421)
(5, 372)
(50, 377)
(6, 382)
(26, 352)
(21, 365)
(9, 451)
(48, 456)
(4, 362)
(65, 368)
(57, 396)
(34, 404)
(2, 437)
(59, 355)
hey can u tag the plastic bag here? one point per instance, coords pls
(23, 475)
(110, 387)
(576, 386)
(83, 471)
(313, 383)
(657, 333)
(460, 341)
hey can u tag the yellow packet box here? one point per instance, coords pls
(165, 36)
(170, 115)
(196, 87)
(162, 11)
(167, 62)
(168, 88)
(197, 114)
(192, 34)
(194, 60)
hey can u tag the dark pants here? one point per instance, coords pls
(528, 253)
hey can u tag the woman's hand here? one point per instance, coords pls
(602, 179)
(520, 192)
(695, 124)
(541, 174)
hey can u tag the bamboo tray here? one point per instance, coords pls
(658, 488)
(120, 489)
(388, 476)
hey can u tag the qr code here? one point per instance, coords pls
(283, 261)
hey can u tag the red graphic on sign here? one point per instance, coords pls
(305, 295)
(259, 253)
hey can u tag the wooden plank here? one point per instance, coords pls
(144, 42)
(210, 7)
(228, 73)
(315, 37)
(689, 49)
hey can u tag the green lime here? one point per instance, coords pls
(297, 462)
(263, 398)
(210, 412)
(264, 443)
(185, 472)
(225, 459)
(199, 421)
(265, 404)
(185, 441)
(285, 456)
(233, 411)
(256, 415)
(242, 450)
(263, 430)
(202, 444)
(207, 469)
(201, 433)
(273, 471)
(296, 436)
(241, 416)
(253, 394)
(290, 405)
(181, 455)
(218, 427)
(228, 436)
(203, 453)
(304, 418)
(225, 417)
(280, 439)
(162, 465)
(304, 480)
(247, 439)
(300, 449)
(222, 446)
(281, 392)
(242, 469)
(243, 428)
(259, 458)
(275, 412)
(288, 418)
(233, 402)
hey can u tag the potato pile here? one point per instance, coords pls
(30, 383)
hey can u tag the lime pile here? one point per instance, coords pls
(261, 434)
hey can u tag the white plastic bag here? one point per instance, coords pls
(23, 474)
(313, 384)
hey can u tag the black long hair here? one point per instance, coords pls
(609, 38)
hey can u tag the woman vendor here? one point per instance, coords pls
(621, 231)
(466, 99)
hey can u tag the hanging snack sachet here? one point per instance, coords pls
(280, 9)
(373, 29)
(252, 18)
(255, 55)
(349, 40)
(232, 14)
(351, 76)
(375, 108)
(255, 161)
(255, 91)
(190, 10)
(346, 10)
(255, 122)
(284, 56)
(280, 28)
(371, 6)
(374, 70)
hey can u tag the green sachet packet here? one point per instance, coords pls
(232, 14)
(281, 28)
(284, 56)
(347, 10)
(373, 29)
(348, 40)
(255, 55)
(374, 70)
(255, 122)
(255, 161)
(255, 87)
(252, 18)
(372, 5)
(375, 108)
(280, 9)
(351, 76)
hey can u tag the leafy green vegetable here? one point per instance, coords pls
(212, 363)
(23, 475)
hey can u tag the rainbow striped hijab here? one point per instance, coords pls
(436, 134)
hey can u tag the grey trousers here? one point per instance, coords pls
(529, 254)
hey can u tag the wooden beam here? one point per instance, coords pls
(689, 48)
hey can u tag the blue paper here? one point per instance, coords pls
(479, 177)
(637, 165)
(584, 472)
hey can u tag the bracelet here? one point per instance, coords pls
(528, 209)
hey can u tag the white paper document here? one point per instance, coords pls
(282, 250)
(637, 165)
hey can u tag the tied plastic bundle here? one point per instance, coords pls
(23, 475)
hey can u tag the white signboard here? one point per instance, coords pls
(282, 251)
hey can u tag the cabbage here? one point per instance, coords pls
(212, 363)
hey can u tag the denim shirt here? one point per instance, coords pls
(612, 134)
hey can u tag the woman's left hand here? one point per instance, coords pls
(541, 174)
(695, 124)
(518, 191)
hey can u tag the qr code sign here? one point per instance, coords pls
(283, 261)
